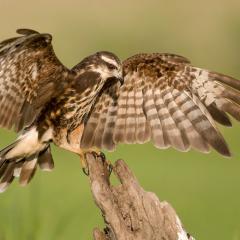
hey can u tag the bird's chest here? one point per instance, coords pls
(69, 140)
(67, 120)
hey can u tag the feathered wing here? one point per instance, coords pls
(166, 100)
(30, 75)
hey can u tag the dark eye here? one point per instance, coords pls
(111, 66)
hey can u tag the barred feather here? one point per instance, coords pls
(28, 70)
(186, 125)
(98, 134)
(141, 121)
(120, 127)
(45, 160)
(152, 107)
(107, 140)
(168, 101)
(7, 176)
(28, 170)
(130, 118)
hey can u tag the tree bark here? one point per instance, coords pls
(129, 212)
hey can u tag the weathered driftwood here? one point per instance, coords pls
(129, 212)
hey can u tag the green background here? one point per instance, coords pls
(204, 189)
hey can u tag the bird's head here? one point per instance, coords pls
(96, 71)
(107, 65)
(104, 64)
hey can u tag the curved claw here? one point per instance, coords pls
(85, 171)
(84, 164)
(104, 160)
(96, 155)
(110, 168)
(102, 156)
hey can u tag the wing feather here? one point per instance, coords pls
(131, 118)
(168, 101)
(98, 134)
(180, 120)
(120, 126)
(154, 99)
(184, 123)
(107, 139)
(173, 133)
(30, 75)
(141, 121)
(219, 115)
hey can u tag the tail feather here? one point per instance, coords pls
(45, 160)
(18, 168)
(22, 167)
(7, 176)
(3, 167)
(28, 170)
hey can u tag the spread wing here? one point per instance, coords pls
(30, 75)
(166, 100)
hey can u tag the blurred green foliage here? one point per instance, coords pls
(204, 189)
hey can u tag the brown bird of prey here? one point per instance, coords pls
(102, 102)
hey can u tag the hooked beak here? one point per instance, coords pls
(120, 77)
(121, 80)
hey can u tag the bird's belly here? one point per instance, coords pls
(70, 141)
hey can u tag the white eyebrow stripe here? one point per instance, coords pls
(109, 60)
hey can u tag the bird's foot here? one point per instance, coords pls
(104, 160)
(96, 155)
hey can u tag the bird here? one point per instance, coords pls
(102, 102)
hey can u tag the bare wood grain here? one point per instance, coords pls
(129, 212)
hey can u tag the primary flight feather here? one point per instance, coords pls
(102, 102)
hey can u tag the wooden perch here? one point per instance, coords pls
(129, 212)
